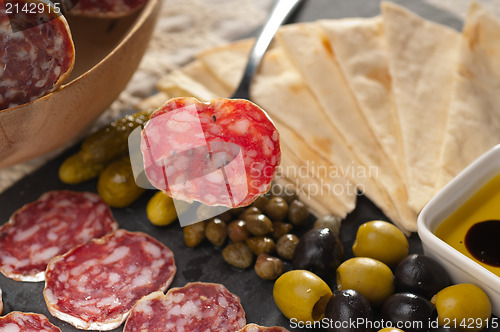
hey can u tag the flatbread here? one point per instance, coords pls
(474, 120)
(360, 50)
(279, 89)
(305, 45)
(313, 177)
(192, 79)
(422, 60)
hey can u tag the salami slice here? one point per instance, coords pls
(196, 307)
(105, 8)
(220, 153)
(257, 328)
(26, 322)
(50, 226)
(94, 286)
(33, 61)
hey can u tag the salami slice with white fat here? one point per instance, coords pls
(257, 328)
(36, 59)
(220, 153)
(26, 322)
(50, 226)
(106, 8)
(196, 307)
(94, 286)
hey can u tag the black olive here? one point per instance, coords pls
(346, 307)
(412, 311)
(319, 251)
(420, 274)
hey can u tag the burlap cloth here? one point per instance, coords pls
(185, 27)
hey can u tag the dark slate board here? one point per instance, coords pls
(205, 262)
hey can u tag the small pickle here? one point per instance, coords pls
(329, 221)
(194, 234)
(261, 245)
(269, 267)
(216, 232)
(261, 202)
(161, 209)
(298, 214)
(74, 170)
(286, 246)
(237, 231)
(116, 184)
(276, 209)
(258, 224)
(238, 255)
(280, 228)
(111, 141)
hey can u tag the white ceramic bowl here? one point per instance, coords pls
(461, 268)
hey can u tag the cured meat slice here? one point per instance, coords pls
(94, 286)
(37, 58)
(195, 307)
(105, 8)
(220, 153)
(26, 322)
(50, 226)
(257, 328)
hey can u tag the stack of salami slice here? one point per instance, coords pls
(393, 106)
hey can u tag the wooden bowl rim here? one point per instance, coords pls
(146, 12)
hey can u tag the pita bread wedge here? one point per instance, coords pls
(422, 60)
(305, 46)
(314, 178)
(280, 90)
(192, 79)
(359, 47)
(474, 118)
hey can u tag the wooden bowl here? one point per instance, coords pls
(108, 52)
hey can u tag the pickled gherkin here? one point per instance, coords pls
(111, 141)
(74, 170)
(101, 148)
(116, 184)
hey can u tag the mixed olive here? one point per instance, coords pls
(381, 282)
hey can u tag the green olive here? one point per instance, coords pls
(216, 232)
(261, 245)
(463, 303)
(237, 231)
(194, 234)
(161, 209)
(276, 209)
(286, 246)
(268, 267)
(329, 221)
(298, 214)
(258, 224)
(238, 255)
(280, 228)
(301, 295)
(370, 277)
(116, 184)
(382, 241)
